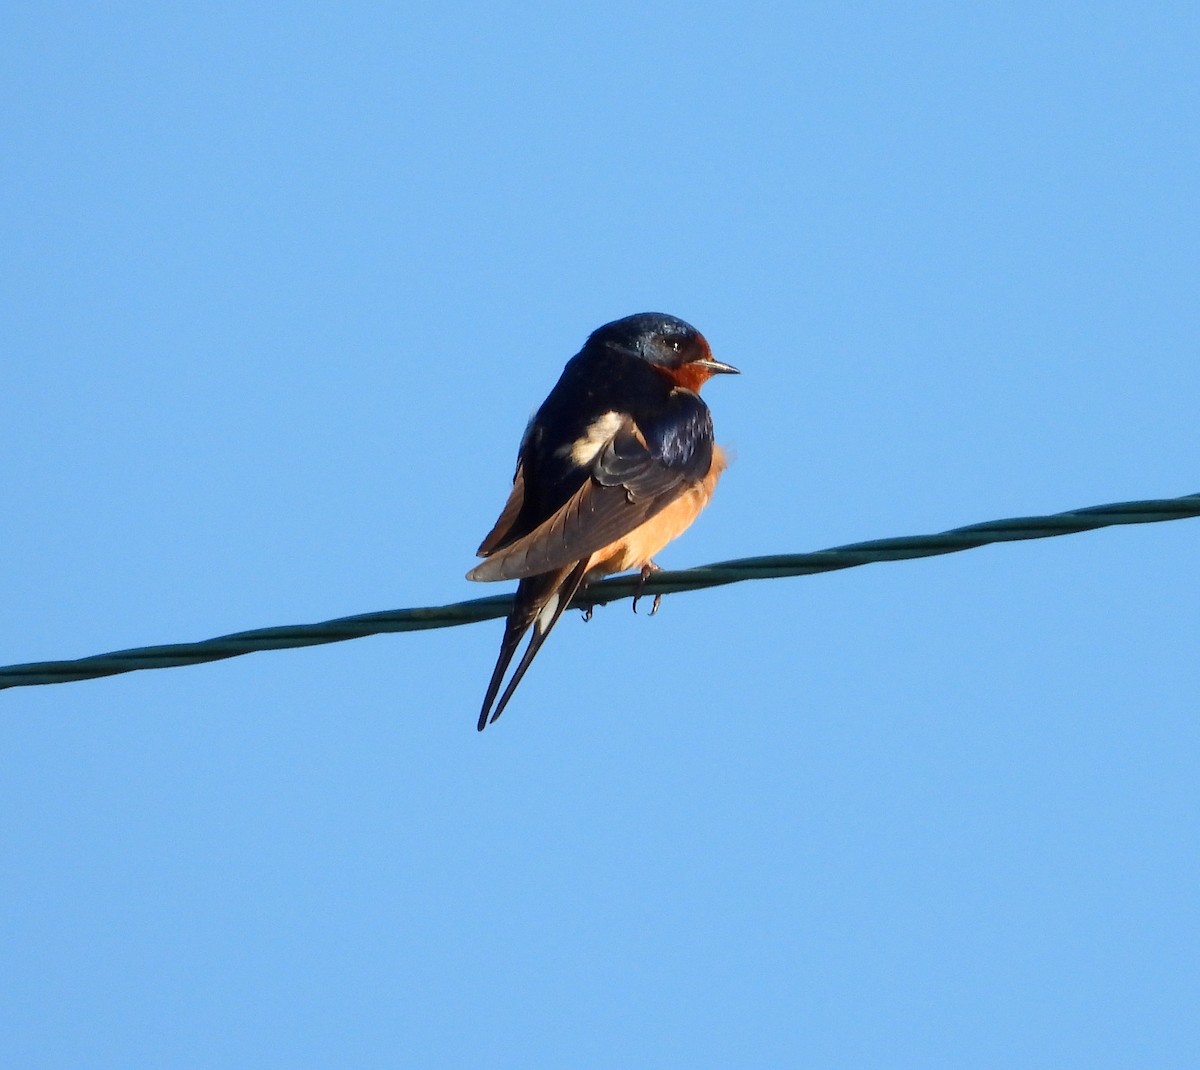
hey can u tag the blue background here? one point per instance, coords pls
(280, 289)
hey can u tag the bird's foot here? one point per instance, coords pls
(648, 570)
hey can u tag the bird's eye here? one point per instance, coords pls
(677, 346)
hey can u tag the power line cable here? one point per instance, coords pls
(693, 579)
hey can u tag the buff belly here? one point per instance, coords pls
(636, 549)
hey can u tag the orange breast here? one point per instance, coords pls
(640, 545)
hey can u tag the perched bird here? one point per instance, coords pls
(617, 462)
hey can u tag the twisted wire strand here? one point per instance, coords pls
(724, 572)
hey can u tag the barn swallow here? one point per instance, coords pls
(618, 461)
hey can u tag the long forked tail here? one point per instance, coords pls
(540, 601)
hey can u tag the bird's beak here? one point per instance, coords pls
(717, 367)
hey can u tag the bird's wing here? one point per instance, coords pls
(508, 515)
(637, 473)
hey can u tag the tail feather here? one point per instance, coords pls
(540, 601)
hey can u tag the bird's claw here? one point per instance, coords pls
(648, 570)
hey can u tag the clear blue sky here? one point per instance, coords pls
(280, 289)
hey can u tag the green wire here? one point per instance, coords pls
(693, 579)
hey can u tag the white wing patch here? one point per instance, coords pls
(599, 433)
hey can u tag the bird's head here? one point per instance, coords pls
(674, 349)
